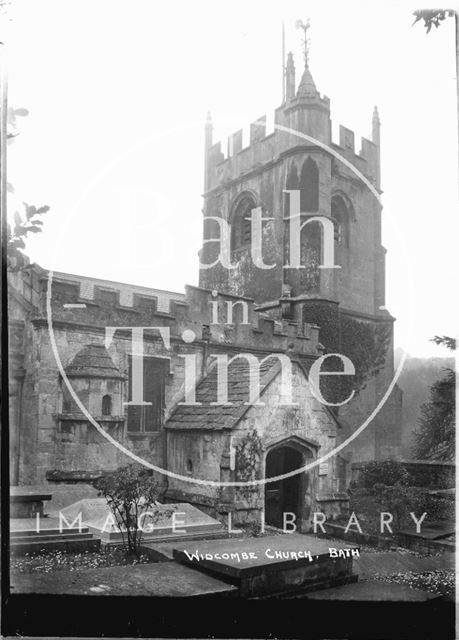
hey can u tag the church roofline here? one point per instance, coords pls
(60, 275)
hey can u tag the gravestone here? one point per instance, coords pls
(27, 501)
(170, 521)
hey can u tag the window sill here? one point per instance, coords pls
(142, 434)
(80, 417)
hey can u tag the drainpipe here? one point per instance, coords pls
(205, 349)
(19, 377)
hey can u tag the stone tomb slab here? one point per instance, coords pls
(270, 566)
(97, 516)
(159, 580)
(34, 526)
(433, 530)
(32, 535)
(27, 501)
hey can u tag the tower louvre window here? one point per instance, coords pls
(309, 185)
(340, 215)
(291, 184)
(106, 405)
(241, 225)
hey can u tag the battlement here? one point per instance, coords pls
(212, 316)
(229, 160)
(229, 319)
(234, 144)
(94, 290)
(346, 138)
(368, 154)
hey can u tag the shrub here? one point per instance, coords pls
(130, 491)
(400, 500)
(387, 472)
(423, 475)
(397, 499)
(253, 529)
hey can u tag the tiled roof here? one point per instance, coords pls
(214, 417)
(93, 361)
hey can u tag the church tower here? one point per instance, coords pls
(348, 302)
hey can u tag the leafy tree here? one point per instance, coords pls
(30, 220)
(31, 223)
(131, 491)
(435, 438)
(432, 17)
(450, 343)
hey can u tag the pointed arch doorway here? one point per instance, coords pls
(288, 495)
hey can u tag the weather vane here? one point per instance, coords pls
(305, 26)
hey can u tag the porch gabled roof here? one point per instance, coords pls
(210, 416)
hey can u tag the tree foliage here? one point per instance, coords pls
(131, 491)
(432, 17)
(450, 343)
(435, 437)
(29, 221)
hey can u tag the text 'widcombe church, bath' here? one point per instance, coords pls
(302, 313)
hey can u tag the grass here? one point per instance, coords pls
(441, 581)
(61, 561)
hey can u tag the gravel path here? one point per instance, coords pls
(389, 562)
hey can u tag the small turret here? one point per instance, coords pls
(290, 77)
(305, 110)
(376, 127)
(375, 136)
(207, 145)
(307, 87)
(208, 131)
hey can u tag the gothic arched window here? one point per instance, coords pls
(291, 184)
(309, 185)
(106, 406)
(292, 178)
(340, 215)
(241, 225)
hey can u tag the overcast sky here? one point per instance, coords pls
(118, 92)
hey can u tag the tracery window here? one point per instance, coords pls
(241, 225)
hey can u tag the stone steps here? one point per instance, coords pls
(33, 533)
(49, 537)
(24, 537)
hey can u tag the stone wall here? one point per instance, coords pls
(43, 442)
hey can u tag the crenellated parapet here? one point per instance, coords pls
(297, 127)
(94, 291)
(228, 319)
(91, 303)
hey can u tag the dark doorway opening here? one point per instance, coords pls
(284, 495)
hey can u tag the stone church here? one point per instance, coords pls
(257, 319)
